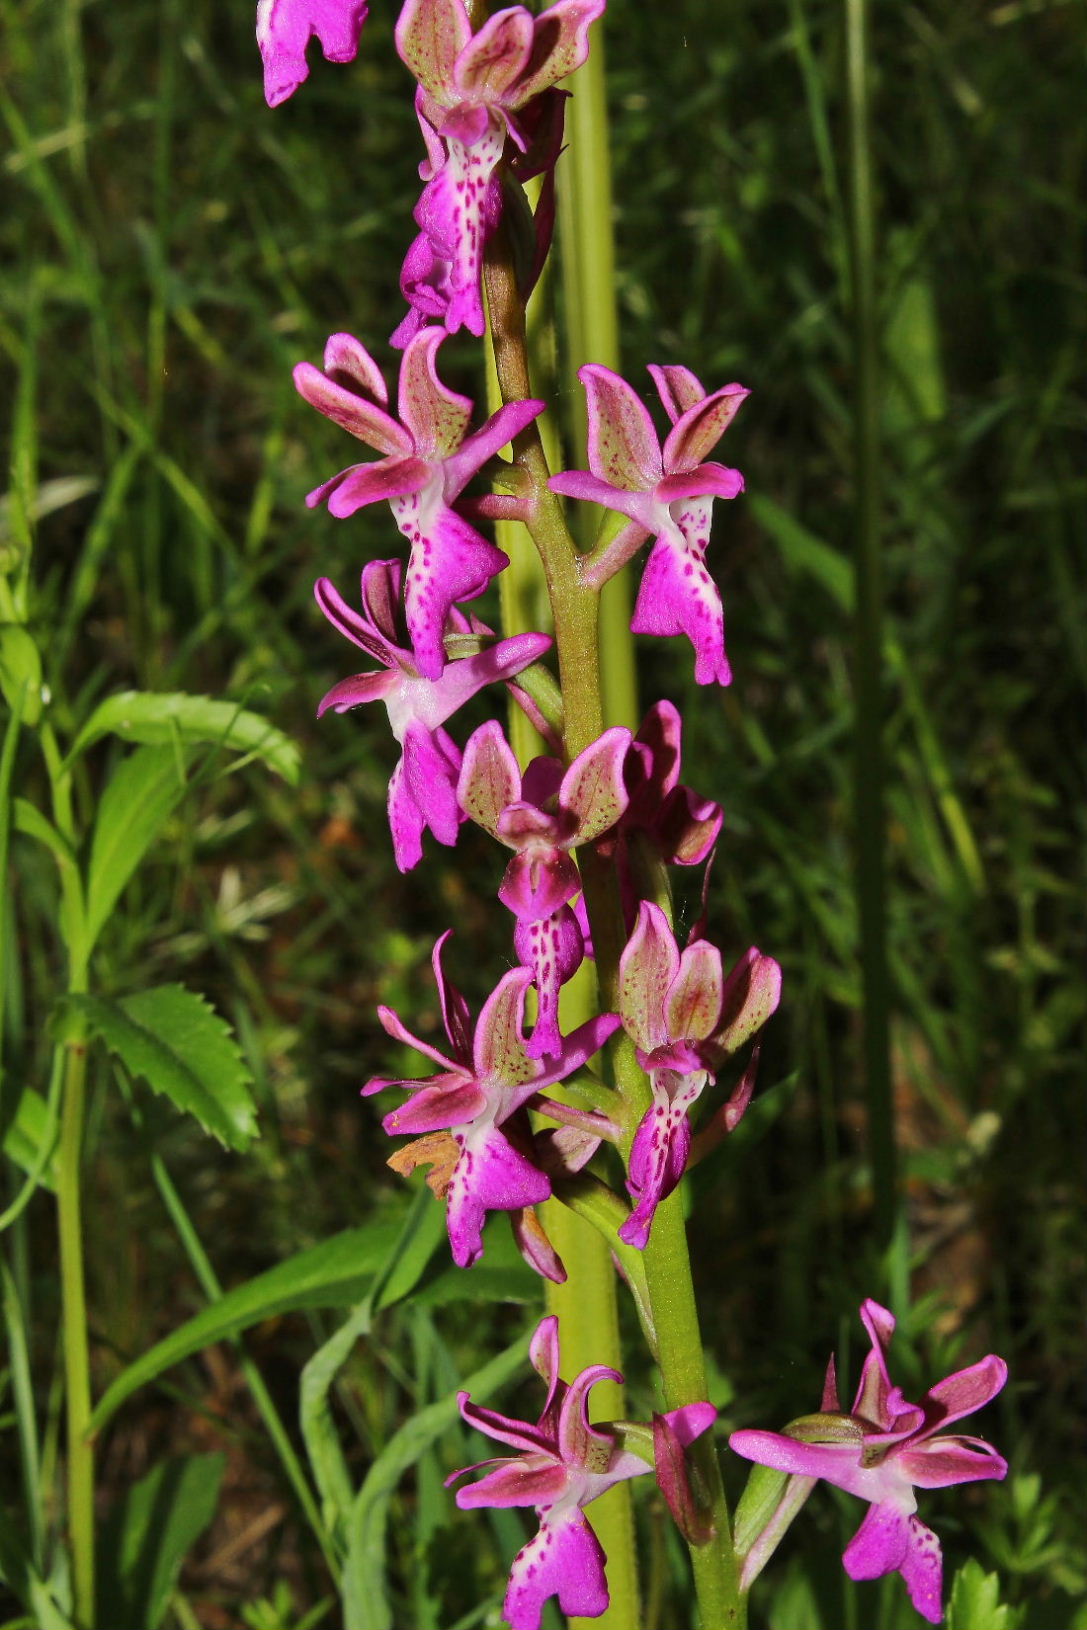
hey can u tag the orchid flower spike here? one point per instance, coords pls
(562, 1463)
(885, 1449)
(423, 789)
(472, 89)
(541, 817)
(668, 494)
(480, 1085)
(284, 30)
(428, 461)
(685, 1019)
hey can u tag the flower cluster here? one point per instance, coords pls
(490, 106)
(884, 1449)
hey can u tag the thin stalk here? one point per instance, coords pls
(869, 772)
(73, 1051)
(77, 1375)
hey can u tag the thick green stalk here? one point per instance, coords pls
(587, 1304)
(575, 608)
(591, 323)
(869, 814)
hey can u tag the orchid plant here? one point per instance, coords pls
(600, 1109)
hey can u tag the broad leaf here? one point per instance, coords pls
(25, 1133)
(147, 1537)
(181, 1047)
(336, 1273)
(159, 719)
(142, 792)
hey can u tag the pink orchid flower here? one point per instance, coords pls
(485, 1080)
(285, 28)
(423, 789)
(472, 91)
(892, 1448)
(541, 817)
(428, 461)
(668, 494)
(685, 1019)
(561, 1465)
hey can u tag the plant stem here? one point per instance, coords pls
(76, 1353)
(869, 814)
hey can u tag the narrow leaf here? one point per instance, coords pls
(147, 1537)
(142, 792)
(335, 1273)
(365, 1599)
(159, 719)
(176, 1041)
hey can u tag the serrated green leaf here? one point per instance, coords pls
(144, 789)
(336, 1273)
(177, 1042)
(159, 719)
(975, 1601)
(147, 1537)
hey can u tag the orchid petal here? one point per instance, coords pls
(430, 35)
(678, 596)
(565, 1559)
(560, 44)
(489, 439)
(436, 416)
(284, 30)
(701, 427)
(623, 445)
(356, 414)
(494, 57)
(647, 968)
(489, 776)
(593, 789)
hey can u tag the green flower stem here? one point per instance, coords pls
(592, 326)
(576, 609)
(587, 1305)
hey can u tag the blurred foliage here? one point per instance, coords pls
(170, 249)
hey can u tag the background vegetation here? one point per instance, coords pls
(171, 248)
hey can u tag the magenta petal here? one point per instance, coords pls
(431, 766)
(678, 596)
(494, 57)
(837, 1463)
(553, 949)
(879, 1546)
(513, 1483)
(658, 1157)
(436, 416)
(489, 777)
(476, 449)
(356, 690)
(352, 412)
(589, 489)
(704, 481)
(489, 1176)
(623, 445)
(436, 1107)
(967, 1390)
(565, 1559)
(449, 561)
(284, 30)
(941, 1462)
(701, 427)
(538, 882)
(363, 484)
(593, 789)
(889, 1539)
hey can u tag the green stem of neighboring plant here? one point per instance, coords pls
(77, 1371)
(869, 810)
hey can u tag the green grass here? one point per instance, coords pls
(171, 248)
